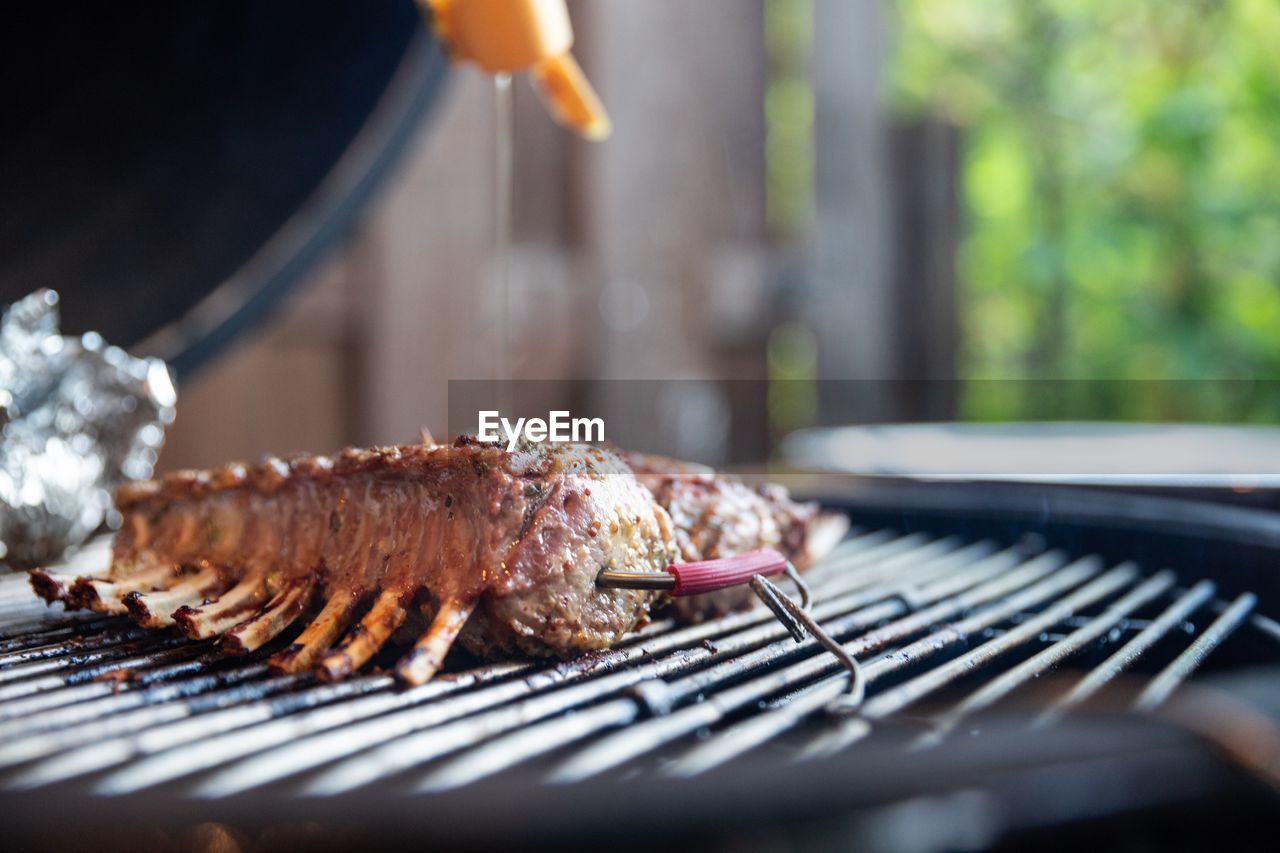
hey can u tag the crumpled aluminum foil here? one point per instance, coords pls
(77, 418)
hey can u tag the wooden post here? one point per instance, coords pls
(850, 304)
(924, 167)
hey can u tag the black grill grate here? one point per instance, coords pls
(940, 622)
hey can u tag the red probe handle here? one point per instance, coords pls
(711, 575)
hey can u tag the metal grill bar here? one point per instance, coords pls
(1186, 663)
(15, 635)
(47, 651)
(412, 751)
(135, 676)
(92, 694)
(637, 740)
(1050, 657)
(1266, 625)
(79, 658)
(1128, 654)
(919, 687)
(48, 687)
(434, 743)
(503, 753)
(892, 701)
(296, 757)
(200, 736)
(350, 704)
(765, 726)
(103, 719)
(106, 709)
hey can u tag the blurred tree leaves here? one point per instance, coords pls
(1122, 195)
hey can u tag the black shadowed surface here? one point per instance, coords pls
(148, 152)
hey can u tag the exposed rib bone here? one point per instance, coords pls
(318, 636)
(107, 596)
(52, 586)
(421, 664)
(225, 611)
(154, 609)
(279, 614)
(363, 641)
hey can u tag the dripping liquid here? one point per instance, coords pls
(500, 296)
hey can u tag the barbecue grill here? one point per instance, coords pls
(1034, 657)
(1041, 663)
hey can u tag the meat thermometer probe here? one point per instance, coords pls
(754, 568)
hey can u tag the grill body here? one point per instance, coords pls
(1035, 657)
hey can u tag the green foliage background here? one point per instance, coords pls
(1121, 188)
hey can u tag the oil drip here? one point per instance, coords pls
(500, 294)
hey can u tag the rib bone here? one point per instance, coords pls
(421, 664)
(363, 641)
(223, 612)
(53, 586)
(279, 614)
(155, 609)
(318, 636)
(99, 594)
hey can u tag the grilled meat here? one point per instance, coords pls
(715, 516)
(498, 549)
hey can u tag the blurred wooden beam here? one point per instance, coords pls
(850, 303)
(924, 165)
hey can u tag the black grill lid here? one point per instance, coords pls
(153, 155)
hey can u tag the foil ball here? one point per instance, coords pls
(78, 417)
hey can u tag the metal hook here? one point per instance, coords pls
(773, 598)
(795, 617)
(710, 575)
(806, 596)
